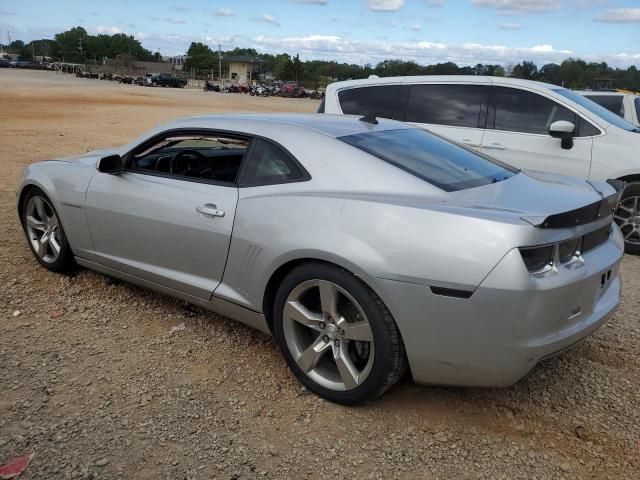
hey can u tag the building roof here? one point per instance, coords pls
(243, 59)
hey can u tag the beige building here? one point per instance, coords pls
(242, 69)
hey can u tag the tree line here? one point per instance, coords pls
(77, 46)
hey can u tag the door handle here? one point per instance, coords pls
(210, 210)
(495, 146)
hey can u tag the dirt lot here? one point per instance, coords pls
(93, 379)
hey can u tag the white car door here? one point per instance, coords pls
(456, 111)
(517, 133)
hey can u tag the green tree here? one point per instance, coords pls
(201, 58)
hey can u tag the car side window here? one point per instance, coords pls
(193, 156)
(516, 110)
(637, 104)
(613, 103)
(268, 164)
(454, 105)
(383, 101)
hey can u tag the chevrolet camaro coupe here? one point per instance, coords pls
(364, 246)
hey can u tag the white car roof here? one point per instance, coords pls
(442, 79)
(606, 93)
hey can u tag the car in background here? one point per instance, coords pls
(623, 104)
(168, 80)
(363, 246)
(530, 125)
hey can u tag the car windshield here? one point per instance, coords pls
(444, 164)
(596, 109)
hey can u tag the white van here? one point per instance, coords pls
(527, 124)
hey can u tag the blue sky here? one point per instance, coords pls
(358, 31)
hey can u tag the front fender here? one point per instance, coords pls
(65, 184)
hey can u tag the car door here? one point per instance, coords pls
(168, 217)
(517, 133)
(456, 111)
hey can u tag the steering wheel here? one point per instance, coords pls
(177, 169)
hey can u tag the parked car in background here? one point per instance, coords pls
(527, 124)
(623, 104)
(168, 80)
(360, 245)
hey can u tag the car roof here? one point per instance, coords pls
(331, 125)
(442, 79)
(605, 93)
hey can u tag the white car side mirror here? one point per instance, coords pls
(564, 130)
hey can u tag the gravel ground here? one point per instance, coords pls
(96, 380)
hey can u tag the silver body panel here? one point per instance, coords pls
(399, 234)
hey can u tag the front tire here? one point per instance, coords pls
(44, 232)
(336, 335)
(627, 216)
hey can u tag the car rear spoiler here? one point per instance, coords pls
(583, 215)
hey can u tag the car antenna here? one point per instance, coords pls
(370, 118)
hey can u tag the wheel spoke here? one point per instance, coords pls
(630, 234)
(34, 223)
(55, 246)
(329, 299)
(42, 246)
(309, 359)
(356, 331)
(299, 313)
(627, 210)
(348, 372)
(39, 203)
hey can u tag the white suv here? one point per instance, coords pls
(530, 125)
(623, 104)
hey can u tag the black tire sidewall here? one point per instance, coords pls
(631, 190)
(373, 384)
(65, 259)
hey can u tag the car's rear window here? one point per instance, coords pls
(444, 164)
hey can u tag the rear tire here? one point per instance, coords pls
(336, 335)
(627, 216)
(44, 232)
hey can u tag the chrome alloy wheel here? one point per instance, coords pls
(328, 335)
(627, 216)
(43, 229)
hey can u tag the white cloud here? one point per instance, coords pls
(104, 29)
(337, 48)
(510, 26)
(224, 12)
(620, 15)
(268, 19)
(519, 7)
(176, 21)
(385, 5)
(416, 27)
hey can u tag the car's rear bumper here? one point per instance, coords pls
(511, 321)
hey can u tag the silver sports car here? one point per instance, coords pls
(364, 246)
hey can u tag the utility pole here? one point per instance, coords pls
(219, 66)
(9, 46)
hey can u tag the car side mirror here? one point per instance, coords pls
(111, 164)
(563, 130)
